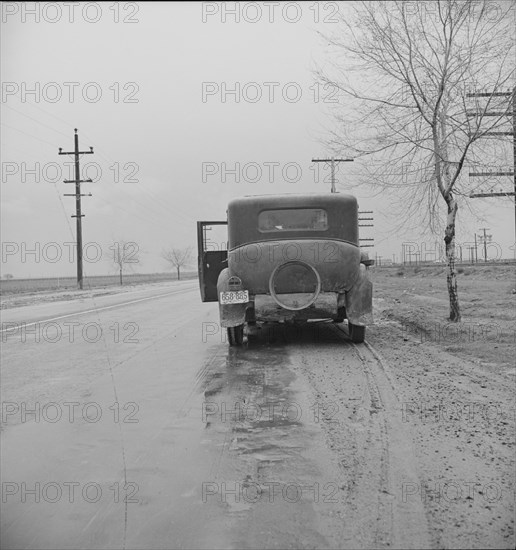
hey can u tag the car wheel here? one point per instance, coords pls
(356, 333)
(236, 335)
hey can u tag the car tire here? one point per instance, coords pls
(356, 333)
(236, 335)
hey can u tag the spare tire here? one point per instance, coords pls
(295, 285)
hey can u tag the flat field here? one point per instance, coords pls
(22, 292)
(416, 298)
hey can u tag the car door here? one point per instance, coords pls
(212, 257)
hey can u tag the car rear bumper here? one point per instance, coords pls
(266, 308)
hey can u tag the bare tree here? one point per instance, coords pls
(405, 69)
(177, 257)
(125, 254)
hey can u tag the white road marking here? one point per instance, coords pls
(90, 311)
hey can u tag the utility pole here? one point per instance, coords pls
(512, 173)
(476, 255)
(78, 215)
(120, 262)
(485, 238)
(360, 240)
(471, 254)
(332, 162)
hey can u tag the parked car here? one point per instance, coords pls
(292, 257)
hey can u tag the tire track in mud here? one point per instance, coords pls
(409, 524)
(370, 443)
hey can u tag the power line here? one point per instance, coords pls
(27, 134)
(146, 191)
(35, 120)
(152, 197)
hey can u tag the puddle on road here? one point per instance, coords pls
(274, 465)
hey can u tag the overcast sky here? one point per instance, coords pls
(131, 77)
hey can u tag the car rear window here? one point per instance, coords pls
(293, 219)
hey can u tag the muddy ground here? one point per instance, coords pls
(456, 384)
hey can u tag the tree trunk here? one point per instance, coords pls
(120, 277)
(451, 276)
(178, 273)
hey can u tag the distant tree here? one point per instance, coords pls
(124, 254)
(8, 276)
(177, 257)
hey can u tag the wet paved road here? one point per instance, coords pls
(160, 436)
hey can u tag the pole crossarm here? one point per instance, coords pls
(73, 152)
(489, 94)
(332, 162)
(477, 195)
(490, 113)
(511, 173)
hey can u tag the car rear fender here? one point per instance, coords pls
(359, 300)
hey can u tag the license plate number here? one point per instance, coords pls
(234, 297)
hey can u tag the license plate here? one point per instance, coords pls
(234, 297)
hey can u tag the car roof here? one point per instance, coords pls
(293, 200)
